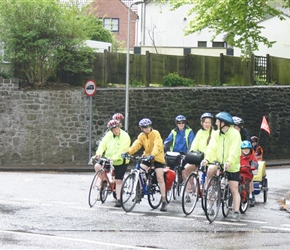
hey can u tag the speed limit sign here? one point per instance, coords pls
(90, 88)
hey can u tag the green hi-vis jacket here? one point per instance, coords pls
(225, 148)
(113, 146)
(152, 144)
(200, 140)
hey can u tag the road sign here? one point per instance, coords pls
(90, 88)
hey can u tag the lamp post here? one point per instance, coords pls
(128, 65)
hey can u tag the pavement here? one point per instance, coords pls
(89, 168)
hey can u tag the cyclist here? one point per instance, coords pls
(225, 147)
(239, 125)
(201, 139)
(247, 159)
(114, 143)
(119, 117)
(152, 143)
(258, 150)
(179, 139)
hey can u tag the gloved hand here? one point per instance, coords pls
(97, 157)
(149, 158)
(124, 155)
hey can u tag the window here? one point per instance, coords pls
(201, 44)
(111, 24)
(219, 44)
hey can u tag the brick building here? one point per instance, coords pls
(115, 17)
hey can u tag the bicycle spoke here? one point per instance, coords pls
(212, 199)
(190, 194)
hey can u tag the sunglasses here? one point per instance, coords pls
(181, 123)
(145, 127)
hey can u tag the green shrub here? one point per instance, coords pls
(174, 80)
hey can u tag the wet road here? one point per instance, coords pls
(49, 210)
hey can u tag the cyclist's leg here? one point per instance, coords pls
(188, 169)
(160, 179)
(234, 186)
(98, 166)
(211, 171)
(119, 175)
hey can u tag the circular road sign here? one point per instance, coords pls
(90, 88)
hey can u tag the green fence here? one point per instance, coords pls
(110, 67)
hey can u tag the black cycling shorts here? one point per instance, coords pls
(156, 164)
(120, 171)
(234, 176)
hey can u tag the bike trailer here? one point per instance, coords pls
(261, 171)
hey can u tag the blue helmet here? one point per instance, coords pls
(225, 117)
(246, 144)
(180, 118)
(206, 115)
(145, 122)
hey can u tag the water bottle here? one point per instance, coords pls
(223, 183)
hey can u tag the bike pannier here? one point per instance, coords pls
(169, 177)
(194, 157)
(172, 159)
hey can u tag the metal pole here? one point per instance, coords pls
(90, 128)
(128, 67)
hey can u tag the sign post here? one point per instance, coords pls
(90, 89)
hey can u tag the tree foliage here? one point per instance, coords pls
(237, 19)
(41, 37)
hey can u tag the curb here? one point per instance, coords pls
(89, 168)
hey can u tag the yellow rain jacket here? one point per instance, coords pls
(152, 144)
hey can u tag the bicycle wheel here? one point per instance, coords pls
(244, 201)
(212, 199)
(104, 191)
(265, 189)
(129, 192)
(169, 194)
(154, 195)
(227, 201)
(190, 194)
(94, 193)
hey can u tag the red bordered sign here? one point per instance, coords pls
(90, 88)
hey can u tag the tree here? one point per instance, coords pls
(238, 19)
(41, 37)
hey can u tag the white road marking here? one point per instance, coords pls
(78, 240)
(277, 228)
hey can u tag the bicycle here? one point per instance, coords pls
(193, 190)
(103, 182)
(246, 175)
(217, 195)
(174, 161)
(138, 184)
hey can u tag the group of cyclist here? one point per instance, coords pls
(222, 145)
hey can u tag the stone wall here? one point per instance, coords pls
(51, 126)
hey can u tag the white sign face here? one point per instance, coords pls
(90, 88)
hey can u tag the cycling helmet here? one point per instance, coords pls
(254, 139)
(246, 144)
(238, 121)
(206, 115)
(145, 122)
(112, 124)
(118, 117)
(225, 117)
(180, 118)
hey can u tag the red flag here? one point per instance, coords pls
(265, 125)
